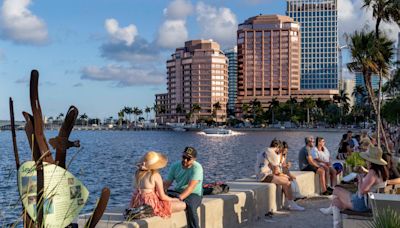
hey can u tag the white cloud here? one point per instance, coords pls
(178, 10)
(123, 76)
(20, 25)
(219, 24)
(119, 34)
(173, 32)
(353, 17)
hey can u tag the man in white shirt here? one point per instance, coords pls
(267, 171)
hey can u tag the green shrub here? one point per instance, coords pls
(386, 218)
(355, 160)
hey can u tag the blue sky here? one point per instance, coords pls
(101, 55)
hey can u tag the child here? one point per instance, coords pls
(149, 186)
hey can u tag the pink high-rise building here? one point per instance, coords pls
(268, 59)
(197, 75)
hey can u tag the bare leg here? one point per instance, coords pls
(333, 174)
(326, 170)
(322, 181)
(284, 181)
(177, 205)
(342, 199)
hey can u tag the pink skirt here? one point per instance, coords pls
(160, 208)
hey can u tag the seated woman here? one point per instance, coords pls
(344, 151)
(149, 186)
(321, 154)
(374, 179)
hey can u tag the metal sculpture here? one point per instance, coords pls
(41, 151)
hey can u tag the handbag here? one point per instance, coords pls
(140, 212)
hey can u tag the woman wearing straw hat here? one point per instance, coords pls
(149, 186)
(375, 178)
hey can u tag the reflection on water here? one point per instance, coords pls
(107, 158)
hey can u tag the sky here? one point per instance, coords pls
(102, 55)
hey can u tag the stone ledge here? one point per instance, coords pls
(247, 202)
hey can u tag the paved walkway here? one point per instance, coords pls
(311, 217)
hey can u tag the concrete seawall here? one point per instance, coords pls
(246, 203)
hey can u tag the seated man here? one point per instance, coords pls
(188, 175)
(267, 171)
(307, 163)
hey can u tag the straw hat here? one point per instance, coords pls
(374, 155)
(152, 161)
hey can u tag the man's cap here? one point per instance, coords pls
(190, 151)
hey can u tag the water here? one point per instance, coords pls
(107, 158)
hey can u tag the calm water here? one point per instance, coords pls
(107, 158)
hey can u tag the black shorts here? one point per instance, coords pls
(310, 168)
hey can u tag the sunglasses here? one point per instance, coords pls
(186, 158)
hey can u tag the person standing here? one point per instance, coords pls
(188, 175)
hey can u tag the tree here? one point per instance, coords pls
(196, 108)
(179, 111)
(292, 102)
(392, 86)
(120, 117)
(147, 110)
(383, 11)
(137, 112)
(216, 107)
(245, 110)
(128, 111)
(308, 103)
(83, 118)
(273, 105)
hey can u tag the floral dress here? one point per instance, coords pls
(160, 207)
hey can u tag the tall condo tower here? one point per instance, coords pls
(197, 75)
(268, 59)
(319, 42)
(231, 54)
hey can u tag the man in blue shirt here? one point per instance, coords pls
(188, 175)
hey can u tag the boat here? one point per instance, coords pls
(217, 131)
(179, 129)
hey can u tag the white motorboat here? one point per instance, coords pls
(217, 131)
(179, 129)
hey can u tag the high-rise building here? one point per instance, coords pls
(268, 59)
(348, 87)
(197, 74)
(319, 42)
(231, 54)
(359, 81)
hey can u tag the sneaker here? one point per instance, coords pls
(329, 189)
(326, 211)
(295, 207)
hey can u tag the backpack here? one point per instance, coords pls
(215, 188)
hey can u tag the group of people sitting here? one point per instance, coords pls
(188, 190)
(271, 167)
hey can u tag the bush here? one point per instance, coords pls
(355, 160)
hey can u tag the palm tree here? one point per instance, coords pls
(120, 117)
(343, 100)
(256, 109)
(392, 86)
(137, 112)
(245, 109)
(383, 11)
(216, 107)
(273, 104)
(292, 102)
(83, 118)
(179, 111)
(128, 111)
(196, 109)
(147, 110)
(308, 103)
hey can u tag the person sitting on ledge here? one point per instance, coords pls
(149, 186)
(376, 177)
(321, 154)
(307, 163)
(267, 171)
(188, 175)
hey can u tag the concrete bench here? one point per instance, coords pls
(247, 202)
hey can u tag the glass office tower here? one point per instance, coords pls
(319, 42)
